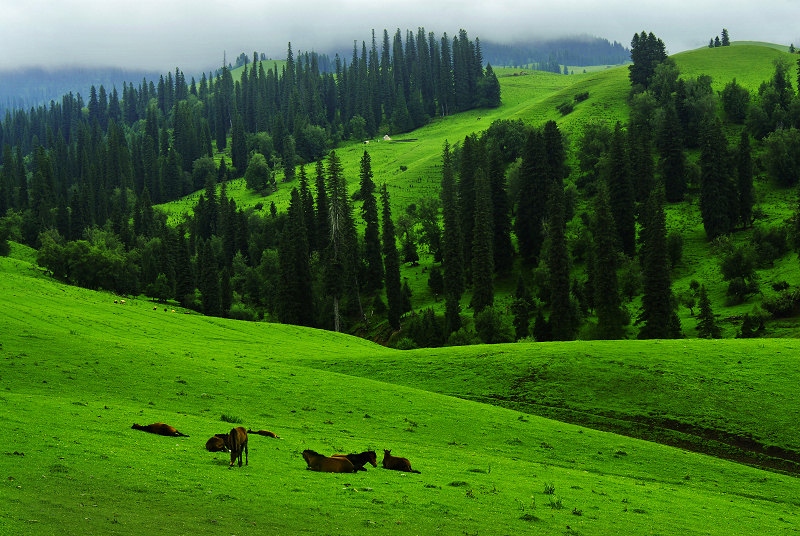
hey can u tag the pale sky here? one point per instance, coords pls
(192, 35)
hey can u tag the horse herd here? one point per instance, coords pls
(235, 442)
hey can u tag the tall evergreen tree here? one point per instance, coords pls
(482, 250)
(621, 193)
(209, 281)
(716, 203)
(607, 301)
(672, 160)
(373, 277)
(531, 205)
(562, 321)
(744, 180)
(521, 309)
(452, 259)
(296, 306)
(391, 263)
(706, 325)
(657, 316)
(238, 145)
(502, 247)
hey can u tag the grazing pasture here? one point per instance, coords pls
(77, 370)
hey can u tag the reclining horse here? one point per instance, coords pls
(396, 463)
(360, 460)
(218, 443)
(159, 428)
(325, 464)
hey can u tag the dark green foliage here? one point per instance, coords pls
(502, 248)
(409, 248)
(391, 263)
(647, 51)
(531, 205)
(482, 251)
(752, 326)
(225, 291)
(296, 304)
(771, 243)
(717, 193)
(738, 267)
(674, 248)
(5, 247)
(373, 272)
(493, 327)
(621, 193)
(784, 305)
(406, 298)
(744, 180)
(672, 159)
(735, 100)
(238, 144)
(607, 303)
(208, 283)
(782, 156)
(562, 321)
(657, 316)
(541, 328)
(521, 309)
(706, 325)
(436, 281)
(452, 259)
(726, 40)
(426, 329)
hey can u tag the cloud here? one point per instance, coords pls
(193, 35)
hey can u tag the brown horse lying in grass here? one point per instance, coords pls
(324, 464)
(159, 428)
(265, 433)
(360, 460)
(396, 463)
(217, 443)
(237, 442)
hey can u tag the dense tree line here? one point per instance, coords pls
(577, 51)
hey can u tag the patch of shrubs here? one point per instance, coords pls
(771, 243)
(785, 304)
(565, 108)
(580, 97)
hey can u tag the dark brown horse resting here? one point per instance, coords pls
(265, 433)
(325, 464)
(237, 442)
(396, 463)
(360, 460)
(217, 443)
(159, 428)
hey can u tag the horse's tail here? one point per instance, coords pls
(178, 434)
(414, 471)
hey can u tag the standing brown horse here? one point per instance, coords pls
(325, 464)
(396, 463)
(237, 441)
(159, 428)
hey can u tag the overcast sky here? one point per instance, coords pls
(192, 35)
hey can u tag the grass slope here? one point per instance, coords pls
(77, 370)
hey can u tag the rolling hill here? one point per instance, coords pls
(79, 369)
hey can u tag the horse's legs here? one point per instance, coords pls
(245, 452)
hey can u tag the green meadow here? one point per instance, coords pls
(78, 370)
(578, 438)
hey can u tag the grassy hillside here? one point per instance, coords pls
(78, 370)
(410, 166)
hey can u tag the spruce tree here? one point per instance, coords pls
(322, 212)
(521, 309)
(672, 160)
(621, 193)
(209, 280)
(501, 242)
(607, 301)
(373, 276)
(238, 145)
(657, 316)
(716, 204)
(482, 250)
(744, 180)
(225, 291)
(531, 205)
(706, 325)
(562, 322)
(391, 263)
(452, 259)
(296, 305)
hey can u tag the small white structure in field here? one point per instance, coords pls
(386, 137)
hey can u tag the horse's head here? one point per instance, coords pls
(372, 458)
